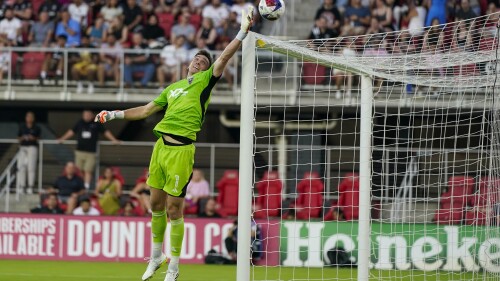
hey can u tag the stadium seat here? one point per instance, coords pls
(313, 74)
(309, 203)
(166, 21)
(32, 65)
(195, 20)
(483, 202)
(454, 201)
(348, 200)
(268, 202)
(228, 193)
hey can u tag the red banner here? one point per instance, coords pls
(52, 237)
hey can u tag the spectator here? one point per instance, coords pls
(142, 192)
(96, 32)
(153, 33)
(54, 60)
(321, 30)
(208, 33)
(230, 27)
(231, 241)
(128, 210)
(436, 9)
(86, 209)
(464, 12)
(185, 29)
(138, 61)
(85, 67)
(23, 10)
(374, 27)
(210, 209)
(239, 6)
(343, 79)
(4, 60)
(132, 16)
(87, 133)
(118, 30)
(3, 8)
(147, 7)
(110, 60)
(41, 31)
(218, 12)
(79, 11)
(69, 186)
(196, 4)
(197, 189)
(173, 62)
(356, 19)
(69, 28)
(383, 14)
(28, 136)
(10, 28)
(111, 11)
(415, 18)
(52, 7)
(109, 190)
(51, 206)
(331, 14)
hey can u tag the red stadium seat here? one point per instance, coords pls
(166, 21)
(309, 203)
(32, 65)
(348, 201)
(228, 187)
(313, 74)
(268, 203)
(195, 20)
(483, 202)
(453, 202)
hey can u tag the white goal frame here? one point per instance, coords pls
(246, 173)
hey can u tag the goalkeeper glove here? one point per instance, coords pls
(105, 116)
(246, 23)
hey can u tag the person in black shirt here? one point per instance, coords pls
(87, 134)
(210, 209)
(331, 14)
(28, 136)
(68, 186)
(321, 30)
(52, 7)
(51, 206)
(138, 61)
(153, 34)
(464, 12)
(132, 16)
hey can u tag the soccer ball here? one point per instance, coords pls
(271, 9)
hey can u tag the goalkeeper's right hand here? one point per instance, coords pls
(105, 116)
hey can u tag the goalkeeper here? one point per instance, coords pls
(172, 160)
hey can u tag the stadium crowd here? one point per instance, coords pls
(179, 28)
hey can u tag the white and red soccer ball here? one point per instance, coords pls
(271, 9)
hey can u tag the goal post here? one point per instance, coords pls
(384, 164)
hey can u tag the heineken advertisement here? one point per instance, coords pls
(395, 246)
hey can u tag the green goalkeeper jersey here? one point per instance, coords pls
(186, 102)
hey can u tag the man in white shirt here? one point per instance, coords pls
(173, 59)
(239, 6)
(86, 209)
(10, 28)
(79, 11)
(218, 12)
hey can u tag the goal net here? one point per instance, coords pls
(371, 157)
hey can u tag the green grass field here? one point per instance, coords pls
(83, 271)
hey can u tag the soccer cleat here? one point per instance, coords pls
(153, 266)
(171, 275)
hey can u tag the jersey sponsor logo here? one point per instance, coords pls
(177, 92)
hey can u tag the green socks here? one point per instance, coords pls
(176, 236)
(158, 226)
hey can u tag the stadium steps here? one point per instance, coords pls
(24, 205)
(423, 212)
(304, 18)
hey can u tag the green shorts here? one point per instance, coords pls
(171, 168)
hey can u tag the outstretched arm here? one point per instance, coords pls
(232, 48)
(135, 113)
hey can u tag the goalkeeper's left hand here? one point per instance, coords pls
(105, 116)
(246, 23)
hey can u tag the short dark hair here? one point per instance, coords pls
(206, 54)
(62, 36)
